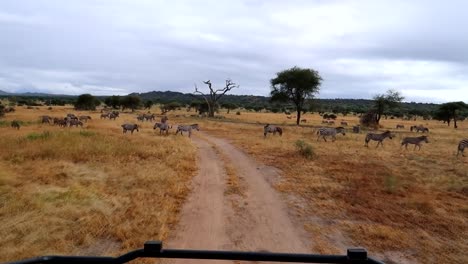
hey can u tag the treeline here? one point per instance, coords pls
(169, 101)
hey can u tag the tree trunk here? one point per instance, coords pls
(298, 116)
(228, 110)
(211, 111)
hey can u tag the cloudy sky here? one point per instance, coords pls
(360, 48)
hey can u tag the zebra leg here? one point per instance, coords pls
(324, 138)
(380, 142)
(333, 138)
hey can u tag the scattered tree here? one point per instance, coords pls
(215, 94)
(131, 102)
(382, 104)
(148, 104)
(450, 111)
(169, 107)
(86, 102)
(114, 101)
(295, 85)
(229, 106)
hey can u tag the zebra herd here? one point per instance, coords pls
(325, 132)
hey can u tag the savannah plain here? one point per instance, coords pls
(97, 191)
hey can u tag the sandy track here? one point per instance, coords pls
(260, 219)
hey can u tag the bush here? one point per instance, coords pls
(237, 113)
(305, 149)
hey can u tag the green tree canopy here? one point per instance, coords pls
(295, 85)
(148, 104)
(385, 102)
(450, 111)
(86, 102)
(113, 101)
(131, 102)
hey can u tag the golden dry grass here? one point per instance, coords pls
(87, 191)
(389, 200)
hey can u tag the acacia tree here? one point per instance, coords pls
(214, 95)
(382, 103)
(86, 102)
(295, 85)
(449, 111)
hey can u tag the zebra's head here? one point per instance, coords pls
(341, 130)
(388, 133)
(424, 138)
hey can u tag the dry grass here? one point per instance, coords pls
(389, 200)
(87, 191)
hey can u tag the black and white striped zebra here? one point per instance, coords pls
(377, 137)
(186, 128)
(329, 132)
(162, 127)
(272, 129)
(414, 140)
(461, 146)
(419, 128)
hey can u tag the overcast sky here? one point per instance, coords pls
(360, 48)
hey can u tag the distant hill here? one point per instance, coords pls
(4, 93)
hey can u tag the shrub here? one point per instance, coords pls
(305, 149)
(237, 113)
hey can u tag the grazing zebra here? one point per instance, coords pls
(461, 146)
(377, 137)
(141, 118)
(414, 140)
(185, 128)
(105, 115)
(45, 119)
(344, 123)
(61, 122)
(149, 117)
(272, 129)
(162, 127)
(399, 126)
(76, 123)
(330, 132)
(419, 128)
(113, 115)
(15, 124)
(130, 127)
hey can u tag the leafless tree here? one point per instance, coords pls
(214, 95)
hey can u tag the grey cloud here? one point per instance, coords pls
(360, 47)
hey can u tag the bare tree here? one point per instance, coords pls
(215, 94)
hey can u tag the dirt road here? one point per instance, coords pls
(256, 220)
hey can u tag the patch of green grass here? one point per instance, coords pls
(39, 136)
(85, 133)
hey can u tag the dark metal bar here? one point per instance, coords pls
(153, 249)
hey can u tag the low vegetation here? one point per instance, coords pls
(397, 203)
(87, 191)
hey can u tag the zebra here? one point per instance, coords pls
(377, 137)
(45, 119)
(186, 128)
(162, 127)
(130, 127)
(272, 129)
(113, 116)
(357, 129)
(329, 131)
(105, 115)
(419, 128)
(149, 117)
(461, 146)
(15, 124)
(414, 140)
(399, 126)
(141, 118)
(344, 123)
(76, 123)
